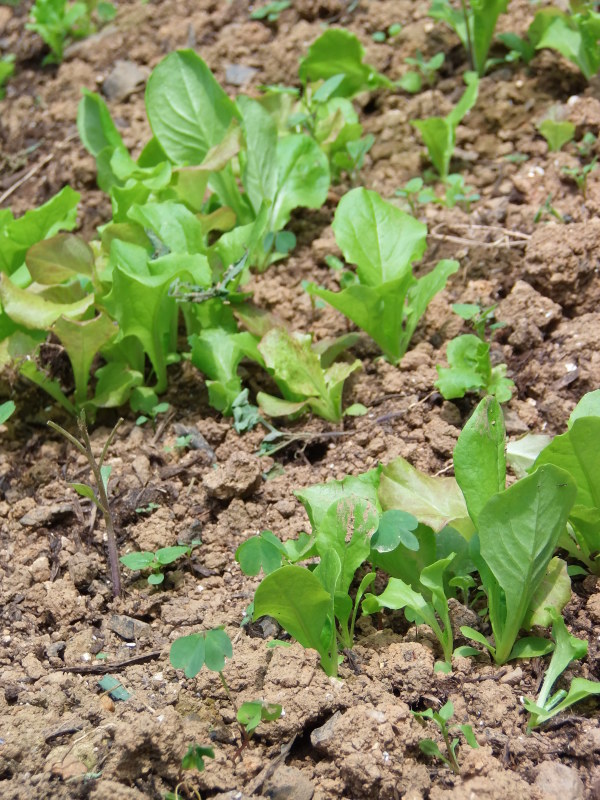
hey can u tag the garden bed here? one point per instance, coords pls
(62, 736)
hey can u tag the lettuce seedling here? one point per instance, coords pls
(576, 452)
(155, 562)
(574, 35)
(301, 376)
(384, 298)
(469, 358)
(56, 22)
(439, 133)
(441, 719)
(557, 133)
(426, 69)
(471, 370)
(339, 52)
(568, 648)
(315, 607)
(474, 25)
(429, 605)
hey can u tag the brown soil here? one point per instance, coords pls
(61, 737)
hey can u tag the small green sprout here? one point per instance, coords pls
(441, 719)
(156, 562)
(7, 409)
(585, 147)
(152, 413)
(147, 509)
(271, 11)
(7, 67)
(556, 133)
(251, 714)
(383, 36)
(426, 68)
(479, 317)
(580, 174)
(192, 760)
(547, 209)
(211, 649)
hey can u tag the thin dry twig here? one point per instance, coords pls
(506, 238)
(267, 771)
(113, 666)
(36, 168)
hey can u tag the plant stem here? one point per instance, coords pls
(243, 731)
(85, 448)
(111, 539)
(469, 40)
(451, 757)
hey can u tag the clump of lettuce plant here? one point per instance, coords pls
(57, 22)
(474, 24)
(383, 298)
(469, 359)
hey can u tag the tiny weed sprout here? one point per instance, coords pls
(580, 174)
(474, 24)
(586, 145)
(548, 210)
(155, 562)
(152, 410)
(426, 69)
(451, 742)
(98, 492)
(211, 649)
(556, 133)
(270, 11)
(439, 133)
(192, 760)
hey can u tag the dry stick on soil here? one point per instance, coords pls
(100, 497)
(507, 237)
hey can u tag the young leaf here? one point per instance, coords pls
(166, 555)
(439, 133)
(297, 600)
(210, 648)
(518, 532)
(395, 528)
(194, 758)
(263, 551)
(138, 561)
(82, 341)
(339, 52)
(436, 502)
(479, 462)
(188, 111)
(17, 236)
(251, 714)
(319, 498)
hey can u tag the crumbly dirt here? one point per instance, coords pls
(61, 736)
